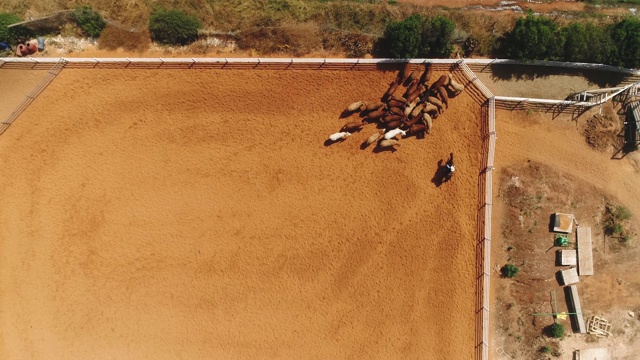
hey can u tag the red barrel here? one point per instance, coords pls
(21, 50)
(32, 48)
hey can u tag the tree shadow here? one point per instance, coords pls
(598, 75)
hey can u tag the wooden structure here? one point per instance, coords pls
(562, 223)
(585, 252)
(569, 276)
(566, 257)
(592, 354)
(577, 320)
(599, 326)
(632, 126)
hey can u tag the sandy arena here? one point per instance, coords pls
(197, 214)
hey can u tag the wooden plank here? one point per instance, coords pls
(585, 252)
(574, 300)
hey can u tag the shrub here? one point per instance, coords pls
(173, 27)
(534, 38)
(509, 270)
(417, 36)
(545, 349)
(436, 37)
(622, 213)
(89, 20)
(555, 330)
(626, 35)
(11, 35)
(402, 38)
(113, 37)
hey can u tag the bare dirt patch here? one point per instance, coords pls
(197, 214)
(601, 131)
(14, 86)
(546, 166)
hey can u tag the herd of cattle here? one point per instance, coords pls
(406, 115)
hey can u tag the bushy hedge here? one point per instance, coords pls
(173, 27)
(89, 20)
(11, 35)
(540, 38)
(417, 36)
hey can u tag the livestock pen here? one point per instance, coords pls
(196, 211)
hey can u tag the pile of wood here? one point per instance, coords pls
(407, 108)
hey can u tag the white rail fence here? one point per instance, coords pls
(460, 70)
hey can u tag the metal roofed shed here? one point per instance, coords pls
(562, 223)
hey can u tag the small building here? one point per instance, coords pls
(593, 354)
(562, 223)
(569, 276)
(566, 257)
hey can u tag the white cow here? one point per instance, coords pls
(393, 133)
(339, 136)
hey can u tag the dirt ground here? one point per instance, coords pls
(14, 85)
(198, 214)
(546, 166)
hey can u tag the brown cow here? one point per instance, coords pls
(371, 139)
(391, 90)
(416, 93)
(409, 108)
(393, 124)
(411, 88)
(426, 75)
(390, 118)
(444, 96)
(430, 108)
(436, 102)
(396, 111)
(374, 115)
(404, 73)
(399, 99)
(396, 104)
(417, 129)
(352, 126)
(373, 107)
(416, 110)
(442, 81)
(427, 121)
(455, 85)
(388, 143)
(409, 123)
(414, 75)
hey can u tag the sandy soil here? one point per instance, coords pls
(197, 214)
(590, 177)
(538, 7)
(14, 85)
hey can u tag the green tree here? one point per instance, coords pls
(600, 44)
(576, 44)
(555, 330)
(534, 38)
(626, 36)
(10, 35)
(401, 39)
(436, 37)
(173, 27)
(510, 270)
(89, 20)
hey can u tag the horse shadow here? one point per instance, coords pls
(440, 177)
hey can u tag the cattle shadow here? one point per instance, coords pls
(330, 142)
(440, 176)
(378, 149)
(598, 75)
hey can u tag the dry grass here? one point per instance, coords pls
(114, 37)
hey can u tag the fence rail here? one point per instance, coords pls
(460, 70)
(31, 96)
(485, 196)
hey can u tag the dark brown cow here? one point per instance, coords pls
(411, 88)
(374, 115)
(414, 95)
(352, 126)
(396, 104)
(426, 75)
(414, 76)
(417, 129)
(393, 124)
(399, 99)
(404, 73)
(390, 118)
(396, 111)
(391, 90)
(442, 91)
(409, 123)
(442, 81)
(373, 107)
